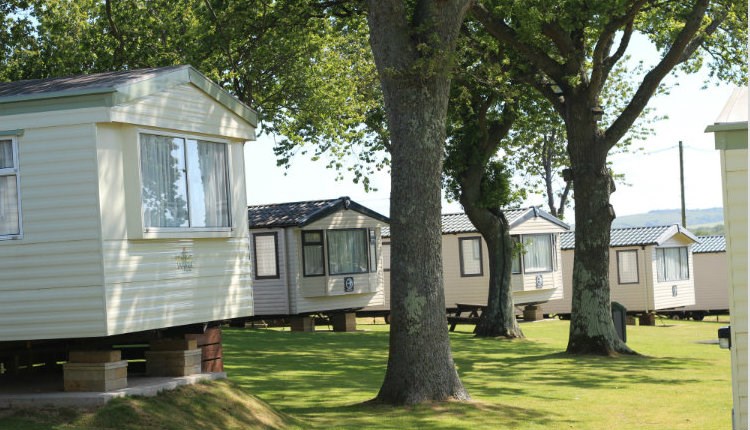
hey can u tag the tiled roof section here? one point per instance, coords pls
(460, 223)
(302, 213)
(92, 82)
(710, 244)
(633, 236)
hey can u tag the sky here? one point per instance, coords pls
(653, 176)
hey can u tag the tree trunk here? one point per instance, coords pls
(499, 318)
(420, 364)
(592, 330)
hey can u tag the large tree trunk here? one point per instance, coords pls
(499, 318)
(592, 330)
(420, 364)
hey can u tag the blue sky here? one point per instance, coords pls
(653, 175)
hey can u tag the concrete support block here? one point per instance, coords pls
(173, 363)
(532, 313)
(95, 376)
(344, 321)
(302, 323)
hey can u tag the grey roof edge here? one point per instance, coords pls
(343, 203)
(676, 229)
(138, 87)
(332, 206)
(726, 126)
(535, 212)
(670, 230)
(712, 244)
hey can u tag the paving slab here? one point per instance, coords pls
(137, 386)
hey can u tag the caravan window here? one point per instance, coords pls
(386, 256)
(312, 253)
(347, 251)
(266, 253)
(538, 253)
(627, 267)
(10, 219)
(470, 255)
(672, 264)
(184, 182)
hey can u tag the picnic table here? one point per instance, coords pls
(465, 313)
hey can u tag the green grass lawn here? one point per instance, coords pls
(280, 379)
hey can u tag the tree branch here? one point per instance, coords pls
(507, 36)
(677, 53)
(602, 65)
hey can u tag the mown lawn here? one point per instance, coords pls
(280, 379)
(322, 379)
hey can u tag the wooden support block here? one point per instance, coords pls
(647, 319)
(94, 356)
(299, 323)
(95, 376)
(344, 321)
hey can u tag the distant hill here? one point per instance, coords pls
(700, 221)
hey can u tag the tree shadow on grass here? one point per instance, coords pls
(438, 415)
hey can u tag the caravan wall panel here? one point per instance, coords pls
(162, 283)
(51, 279)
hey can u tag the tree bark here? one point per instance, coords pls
(592, 330)
(420, 363)
(499, 319)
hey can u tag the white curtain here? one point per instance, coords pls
(6, 154)
(347, 251)
(8, 190)
(672, 263)
(164, 193)
(265, 255)
(627, 266)
(207, 176)
(538, 253)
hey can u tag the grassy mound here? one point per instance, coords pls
(217, 405)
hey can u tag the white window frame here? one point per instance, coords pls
(464, 274)
(14, 171)
(619, 267)
(229, 184)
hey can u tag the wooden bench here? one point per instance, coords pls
(473, 311)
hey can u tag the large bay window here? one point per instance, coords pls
(672, 264)
(184, 182)
(537, 253)
(10, 220)
(346, 251)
